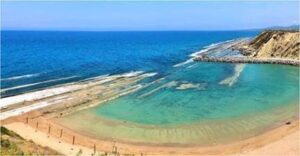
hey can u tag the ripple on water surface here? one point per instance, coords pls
(261, 97)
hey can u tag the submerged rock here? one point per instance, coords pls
(184, 86)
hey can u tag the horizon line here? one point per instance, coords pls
(129, 30)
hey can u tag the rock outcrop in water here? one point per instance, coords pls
(273, 44)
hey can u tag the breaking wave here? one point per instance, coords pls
(38, 83)
(20, 77)
(206, 49)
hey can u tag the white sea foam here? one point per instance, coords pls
(59, 90)
(65, 88)
(192, 56)
(183, 63)
(107, 76)
(166, 85)
(209, 47)
(21, 110)
(199, 52)
(206, 49)
(38, 83)
(149, 74)
(232, 79)
(219, 43)
(97, 77)
(20, 77)
(191, 66)
(131, 74)
(37, 95)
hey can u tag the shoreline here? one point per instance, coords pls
(207, 133)
(242, 147)
(83, 141)
(72, 97)
(47, 116)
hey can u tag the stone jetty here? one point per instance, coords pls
(252, 60)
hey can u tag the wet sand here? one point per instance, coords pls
(286, 137)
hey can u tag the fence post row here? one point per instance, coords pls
(37, 124)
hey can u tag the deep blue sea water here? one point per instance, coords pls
(198, 102)
(32, 57)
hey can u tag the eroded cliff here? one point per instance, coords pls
(274, 44)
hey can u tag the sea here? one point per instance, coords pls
(186, 102)
(32, 60)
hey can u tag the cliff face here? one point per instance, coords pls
(276, 44)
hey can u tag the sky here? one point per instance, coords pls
(175, 15)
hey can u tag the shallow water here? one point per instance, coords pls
(259, 88)
(262, 97)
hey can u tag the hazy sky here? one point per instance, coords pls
(147, 15)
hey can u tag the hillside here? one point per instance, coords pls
(273, 44)
(13, 144)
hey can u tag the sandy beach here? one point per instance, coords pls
(137, 78)
(282, 140)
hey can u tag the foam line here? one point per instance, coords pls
(20, 77)
(33, 84)
(183, 63)
(25, 109)
(167, 85)
(232, 79)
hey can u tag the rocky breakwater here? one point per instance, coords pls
(270, 47)
(252, 60)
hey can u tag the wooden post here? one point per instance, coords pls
(115, 150)
(73, 142)
(37, 125)
(27, 120)
(94, 148)
(61, 131)
(49, 129)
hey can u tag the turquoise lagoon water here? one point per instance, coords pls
(196, 103)
(204, 112)
(259, 88)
